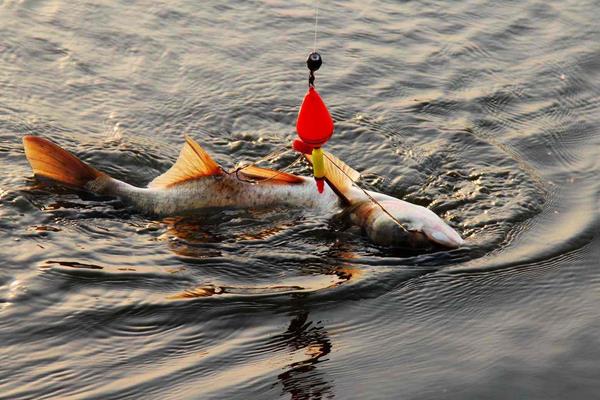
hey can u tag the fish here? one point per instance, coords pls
(196, 182)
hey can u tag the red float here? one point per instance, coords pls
(314, 125)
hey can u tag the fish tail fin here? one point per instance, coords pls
(50, 161)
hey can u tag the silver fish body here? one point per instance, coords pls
(223, 191)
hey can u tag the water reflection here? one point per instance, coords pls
(308, 343)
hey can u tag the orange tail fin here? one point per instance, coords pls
(52, 162)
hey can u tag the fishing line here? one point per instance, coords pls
(284, 150)
(272, 155)
(275, 175)
(280, 152)
(316, 23)
(311, 83)
(368, 195)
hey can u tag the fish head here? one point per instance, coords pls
(398, 223)
(384, 228)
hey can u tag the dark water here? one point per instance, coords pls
(487, 112)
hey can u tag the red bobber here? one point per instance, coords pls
(314, 125)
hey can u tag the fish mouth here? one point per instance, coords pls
(446, 237)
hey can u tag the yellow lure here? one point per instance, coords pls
(318, 164)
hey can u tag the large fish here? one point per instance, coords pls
(197, 182)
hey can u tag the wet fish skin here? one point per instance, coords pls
(223, 191)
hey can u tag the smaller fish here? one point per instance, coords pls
(197, 182)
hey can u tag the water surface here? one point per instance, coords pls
(486, 112)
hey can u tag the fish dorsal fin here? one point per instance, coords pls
(262, 174)
(339, 175)
(193, 163)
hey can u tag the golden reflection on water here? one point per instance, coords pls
(307, 343)
(311, 283)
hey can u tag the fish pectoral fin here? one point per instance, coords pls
(262, 174)
(339, 175)
(193, 163)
